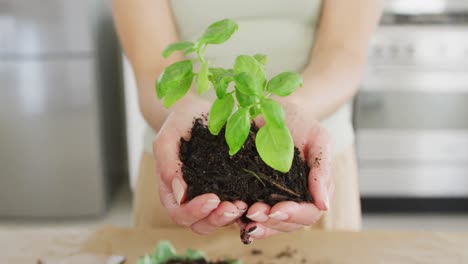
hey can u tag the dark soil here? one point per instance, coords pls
(287, 253)
(208, 168)
(198, 261)
(256, 252)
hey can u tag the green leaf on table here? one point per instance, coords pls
(273, 112)
(164, 251)
(182, 45)
(219, 32)
(203, 84)
(245, 100)
(247, 85)
(146, 259)
(237, 130)
(191, 254)
(284, 83)
(233, 261)
(262, 58)
(220, 78)
(248, 64)
(219, 114)
(275, 146)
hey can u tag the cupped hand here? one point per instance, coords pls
(204, 213)
(313, 142)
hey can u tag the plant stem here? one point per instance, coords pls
(278, 185)
(201, 53)
(255, 175)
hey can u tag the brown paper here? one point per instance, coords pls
(307, 246)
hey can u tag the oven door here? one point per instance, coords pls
(412, 143)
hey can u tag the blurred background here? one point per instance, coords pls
(71, 133)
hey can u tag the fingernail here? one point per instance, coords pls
(242, 210)
(278, 215)
(253, 215)
(326, 201)
(210, 205)
(116, 260)
(256, 231)
(258, 217)
(245, 237)
(178, 190)
(231, 214)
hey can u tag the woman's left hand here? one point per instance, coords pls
(314, 144)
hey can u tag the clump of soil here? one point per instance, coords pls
(256, 252)
(208, 168)
(287, 253)
(198, 261)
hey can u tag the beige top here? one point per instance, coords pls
(283, 30)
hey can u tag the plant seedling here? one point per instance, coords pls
(235, 107)
(166, 253)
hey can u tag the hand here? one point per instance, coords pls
(314, 144)
(206, 212)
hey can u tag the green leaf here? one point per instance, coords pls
(190, 50)
(145, 260)
(191, 254)
(182, 45)
(273, 112)
(237, 130)
(262, 58)
(217, 72)
(203, 83)
(275, 146)
(219, 32)
(219, 114)
(255, 111)
(172, 77)
(245, 100)
(233, 261)
(246, 84)
(246, 63)
(284, 83)
(178, 92)
(221, 87)
(160, 89)
(163, 252)
(220, 78)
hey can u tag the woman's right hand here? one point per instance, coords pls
(204, 213)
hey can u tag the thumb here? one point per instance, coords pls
(168, 167)
(319, 160)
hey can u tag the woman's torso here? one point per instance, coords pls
(283, 30)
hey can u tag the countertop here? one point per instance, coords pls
(66, 245)
(42, 244)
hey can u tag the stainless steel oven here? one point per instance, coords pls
(411, 114)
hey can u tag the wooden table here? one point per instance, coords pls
(29, 245)
(83, 246)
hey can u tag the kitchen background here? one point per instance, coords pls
(71, 132)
